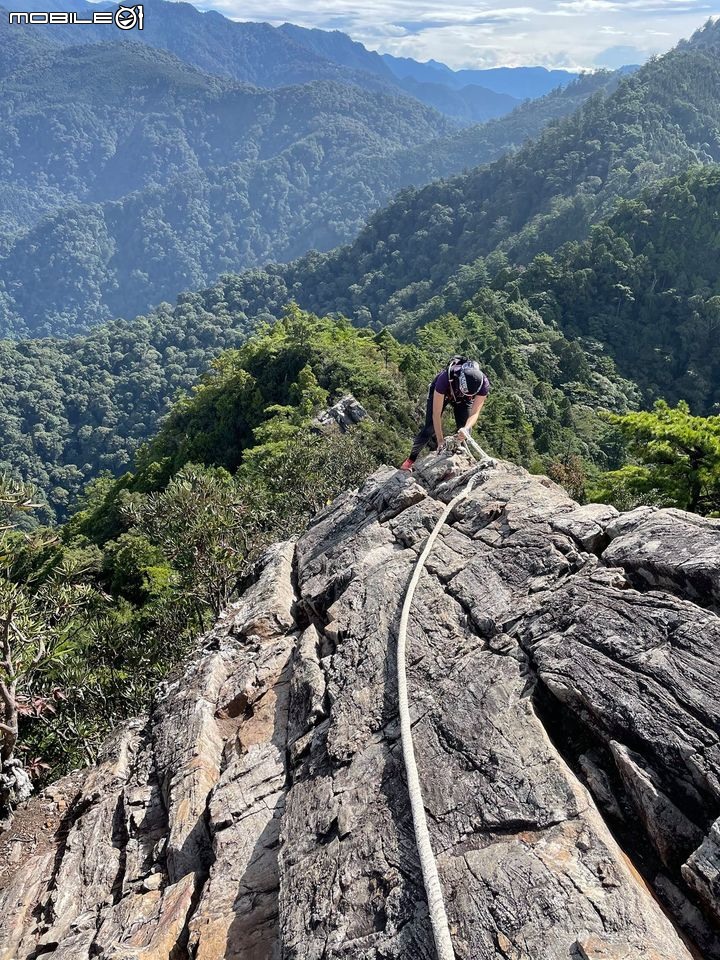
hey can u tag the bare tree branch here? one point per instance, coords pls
(7, 695)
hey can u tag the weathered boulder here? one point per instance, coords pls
(346, 413)
(669, 550)
(566, 726)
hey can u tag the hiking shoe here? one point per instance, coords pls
(408, 465)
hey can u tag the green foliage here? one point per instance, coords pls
(251, 416)
(16, 499)
(260, 394)
(259, 398)
(70, 411)
(647, 284)
(311, 471)
(136, 568)
(678, 461)
(49, 610)
(204, 527)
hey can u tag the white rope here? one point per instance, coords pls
(433, 890)
(475, 447)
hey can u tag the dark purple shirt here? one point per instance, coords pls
(441, 383)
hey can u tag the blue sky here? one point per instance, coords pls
(551, 33)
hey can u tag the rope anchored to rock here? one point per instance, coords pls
(431, 880)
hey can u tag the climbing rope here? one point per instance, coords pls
(433, 890)
(476, 448)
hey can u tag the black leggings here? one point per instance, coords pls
(461, 410)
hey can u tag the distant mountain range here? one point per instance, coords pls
(130, 174)
(467, 99)
(520, 82)
(266, 56)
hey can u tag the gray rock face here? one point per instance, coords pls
(566, 725)
(670, 550)
(342, 415)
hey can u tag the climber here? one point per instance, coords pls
(465, 386)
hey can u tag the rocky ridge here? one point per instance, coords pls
(563, 673)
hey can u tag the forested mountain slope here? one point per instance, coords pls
(186, 176)
(267, 56)
(481, 144)
(401, 265)
(72, 408)
(96, 146)
(190, 175)
(248, 52)
(646, 284)
(420, 254)
(469, 103)
(340, 48)
(18, 47)
(658, 121)
(172, 119)
(468, 100)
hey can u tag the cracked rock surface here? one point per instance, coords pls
(563, 675)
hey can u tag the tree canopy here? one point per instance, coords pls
(677, 460)
(647, 284)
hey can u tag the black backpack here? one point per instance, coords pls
(457, 362)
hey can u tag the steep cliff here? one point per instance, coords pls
(261, 811)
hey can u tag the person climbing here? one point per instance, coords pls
(465, 387)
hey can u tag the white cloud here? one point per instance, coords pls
(587, 6)
(475, 33)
